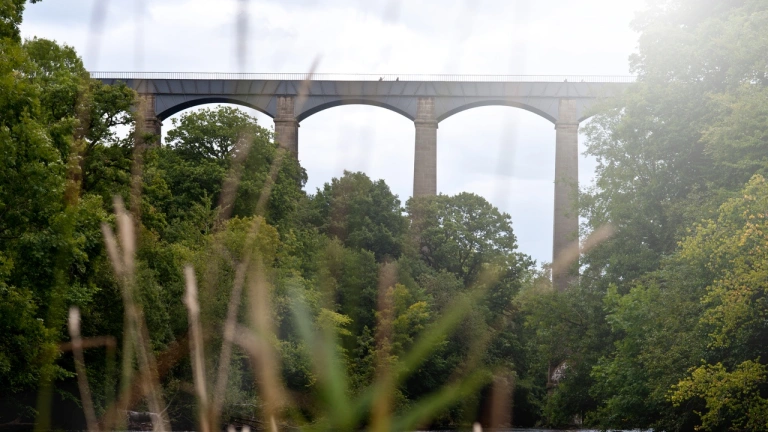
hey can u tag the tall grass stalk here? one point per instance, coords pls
(196, 348)
(571, 253)
(82, 377)
(136, 337)
(240, 273)
(266, 362)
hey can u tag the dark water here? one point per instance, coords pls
(446, 430)
(542, 430)
(547, 430)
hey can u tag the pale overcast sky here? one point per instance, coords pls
(505, 154)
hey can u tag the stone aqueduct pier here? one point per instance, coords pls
(426, 100)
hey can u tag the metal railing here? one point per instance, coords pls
(361, 77)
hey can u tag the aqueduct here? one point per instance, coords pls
(424, 99)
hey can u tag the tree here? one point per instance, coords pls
(671, 149)
(50, 238)
(463, 233)
(32, 180)
(706, 302)
(214, 134)
(683, 138)
(361, 213)
(10, 19)
(733, 249)
(221, 182)
(81, 115)
(733, 399)
(211, 147)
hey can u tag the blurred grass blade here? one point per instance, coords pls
(240, 274)
(136, 335)
(332, 380)
(268, 368)
(429, 339)
(427, 407)
(82, 376)
(196, 347)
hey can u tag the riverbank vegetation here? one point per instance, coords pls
(197, 280)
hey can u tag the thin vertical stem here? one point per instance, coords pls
(196, 347)
(123, 262)
(237, 288)
(82, 377)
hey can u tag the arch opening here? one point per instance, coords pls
(508, 157)
(496, 102)
(358, 138)
(264, 120)
(322, 107)
(205, 101)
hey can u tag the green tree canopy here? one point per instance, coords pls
(671, 149)
(211, 148)
(11, 12)
(462, 233)
(686, 135)
(361, 213)
(214, 134)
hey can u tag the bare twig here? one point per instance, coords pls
(382, 406)
(165, 361)
(82, 377)
(93, 342)
(268, 370)
(123, 261)
(196, 346)
(229, 188)
(303, 92)
(241, 271)
(571, 253)
(98, 14)
(242, 34)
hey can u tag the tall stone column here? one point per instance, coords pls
(425, 158)
(286, 125)
(566, 224)
(147, 121)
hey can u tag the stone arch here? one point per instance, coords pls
(587, 116)
(324, 106)
(207, 100)
(496, 102)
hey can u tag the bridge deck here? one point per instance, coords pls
(540, 94)
(363, 77)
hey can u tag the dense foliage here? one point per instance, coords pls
(219, 192)
(354, 309)
(674, 338)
